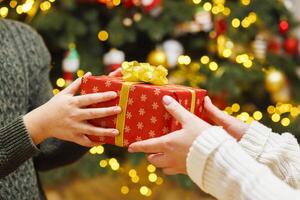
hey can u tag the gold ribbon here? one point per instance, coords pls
(144, 72)
(124, 93)
(193, 100)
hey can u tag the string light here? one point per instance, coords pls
(151, 168)
(257, 115)
(235, 107)
(103, 35)
(60, 82)
(275, 117)
(3, 12)
(80, 73)
(114, 164)
(184, 60)
(55, 91)
(144, 190)
(103, 163)
(13, 3)
(213, 66)
(197, 1)
(46, 5)
(152, 177)
(124, 190)
(204, 60)
(207, 6)
(235, 22)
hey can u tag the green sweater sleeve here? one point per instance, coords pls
(15, 146)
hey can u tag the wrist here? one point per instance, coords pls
(34, 126)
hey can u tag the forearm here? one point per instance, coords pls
(219, 166)
(281, 153)
(16, 146)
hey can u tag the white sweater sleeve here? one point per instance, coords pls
(220, 167)
(281, 153)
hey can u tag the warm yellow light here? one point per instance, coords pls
(235, 107)
(248, 64)
(46, 5)
(13, 3)
(116, 2)
(3, 12)
(294, 111)
(197, 1)
(80, 73)
(215, 10)
(228, 110)
(226, 11)
(275, 117)
(144, 190)
(213, 66)
(252, 17)
(271, 109)
(245, 2)
(135, 179)
(244, 116)
(246, 22)
(204, 60)
(103, 35)
(151, 168)
(124, 190)
(257, 115)
(100, 149)
(285, 122)
(152, 177)
(227, 53)
(55, 91)
(159, 181)
(207, 6)
(19, 10)
(184, 60)
(60, 82)
(236, 22)
(103, 163)
(132, 173)
(93, 150)
(27, 5)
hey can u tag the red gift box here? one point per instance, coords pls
(143, 114)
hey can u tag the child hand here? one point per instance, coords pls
(65, 116)
(170, 151)
(232, 125)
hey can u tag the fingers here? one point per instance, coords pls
(153, 145)
(214, 113)
(85, 141)
(159, 160)
(94, 113)
(176, 110)
(89, 129)
(74, 87)
(89, 99)
(116, 73)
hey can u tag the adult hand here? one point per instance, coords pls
(116, 73)
(170, 151)
(65, 116)
(232, 125)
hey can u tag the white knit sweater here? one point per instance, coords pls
(262, 166)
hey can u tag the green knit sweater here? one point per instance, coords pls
(24, 85)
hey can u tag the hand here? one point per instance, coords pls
(116, 73)
(65, 116)
(170, 151)
(232, 125)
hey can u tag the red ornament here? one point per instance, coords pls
(290, 45)
(149, 5)
(283, 26)
(130, 3)
(274, 45)
(221, 27)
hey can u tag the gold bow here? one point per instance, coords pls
(144, 72)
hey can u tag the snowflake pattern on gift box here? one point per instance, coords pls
(142, 111)
(152, 134)
(155, 106)
(140, 125)
(130, 101)
(127, 129)
(153, 120)
(143, 97)
(95, 89)
(157, 92)
(108, 84)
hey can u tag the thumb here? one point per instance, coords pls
(116, 73)
(74, 87)
(214, 113)
(176, 110)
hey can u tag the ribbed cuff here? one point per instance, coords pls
(255, 139)
(16, 144)
(201, 150)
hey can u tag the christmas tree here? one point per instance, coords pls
(243, 52)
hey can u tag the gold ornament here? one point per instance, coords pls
(275, 80)
(157, 57)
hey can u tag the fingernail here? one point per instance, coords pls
(117, 109)
(88, 74)
(115, 132)
(112, 94)
(167, 100)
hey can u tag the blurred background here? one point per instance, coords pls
(244, 52)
